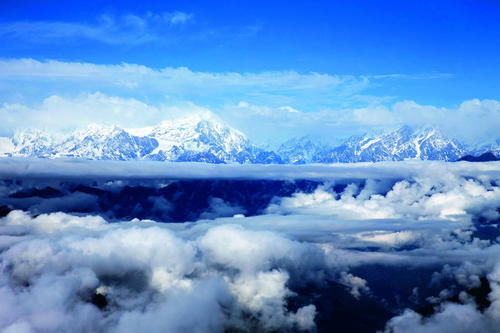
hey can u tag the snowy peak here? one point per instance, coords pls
(430, 143)
(98, 132)
(206, 139)
(32, 142)
(194, 138)
(196, 128)
(104, 142)
(202, 138)
(301, 150)
(401, 144)
(404, 143)
(493, 147)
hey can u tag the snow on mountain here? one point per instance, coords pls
(34, 143)
(195, 138)
(205, 139)
(6, 146)
(493, 147)
(104, 142)
(200, 138)
(302, 150)
(402, 144)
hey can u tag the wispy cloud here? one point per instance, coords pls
(275, 88)
(417, 76)
(124, 29)
(250, 30)
(304, 91)
(268, 106)
(179, 17)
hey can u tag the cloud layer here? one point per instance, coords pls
(434, 224)
(146, 272)
(268, 106)
(225, 95)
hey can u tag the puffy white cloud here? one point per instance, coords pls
(473, 121)
(452, 317)
(431, 197)
(62, 114)
(150, 277)
(257, 103)
(256, 273)
(134, 95)
(356, 284)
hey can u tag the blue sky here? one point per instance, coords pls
(347, 54)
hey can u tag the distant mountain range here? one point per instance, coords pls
(485, 157)
(204, 139)
(195, 138)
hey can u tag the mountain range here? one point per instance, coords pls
(205, 139)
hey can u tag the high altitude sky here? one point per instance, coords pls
(272, 69)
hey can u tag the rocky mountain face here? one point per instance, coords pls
(204, 139)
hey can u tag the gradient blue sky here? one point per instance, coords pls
(433, 53)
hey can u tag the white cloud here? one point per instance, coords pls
(267, 106)
(179, 17)
(473, 121)
(62, 114)
(451, 197)
(356, 284)
(385, 171)
(152, 278)
(109, 29)
(170, 79)
(452, 317)
(232, 273)
(289, 109)
(31, 81)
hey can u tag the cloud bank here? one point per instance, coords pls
(433, 225)
(91, 169)
(260, 104)
(53, 267)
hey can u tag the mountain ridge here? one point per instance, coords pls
(206, 139)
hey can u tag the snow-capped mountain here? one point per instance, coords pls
(201, 139)
(404, 143)
(195, 138)
(302, 150)
(32, 143)
(104, 142)
(493, 147)
(205, 139)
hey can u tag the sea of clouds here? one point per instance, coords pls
(434, 224)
